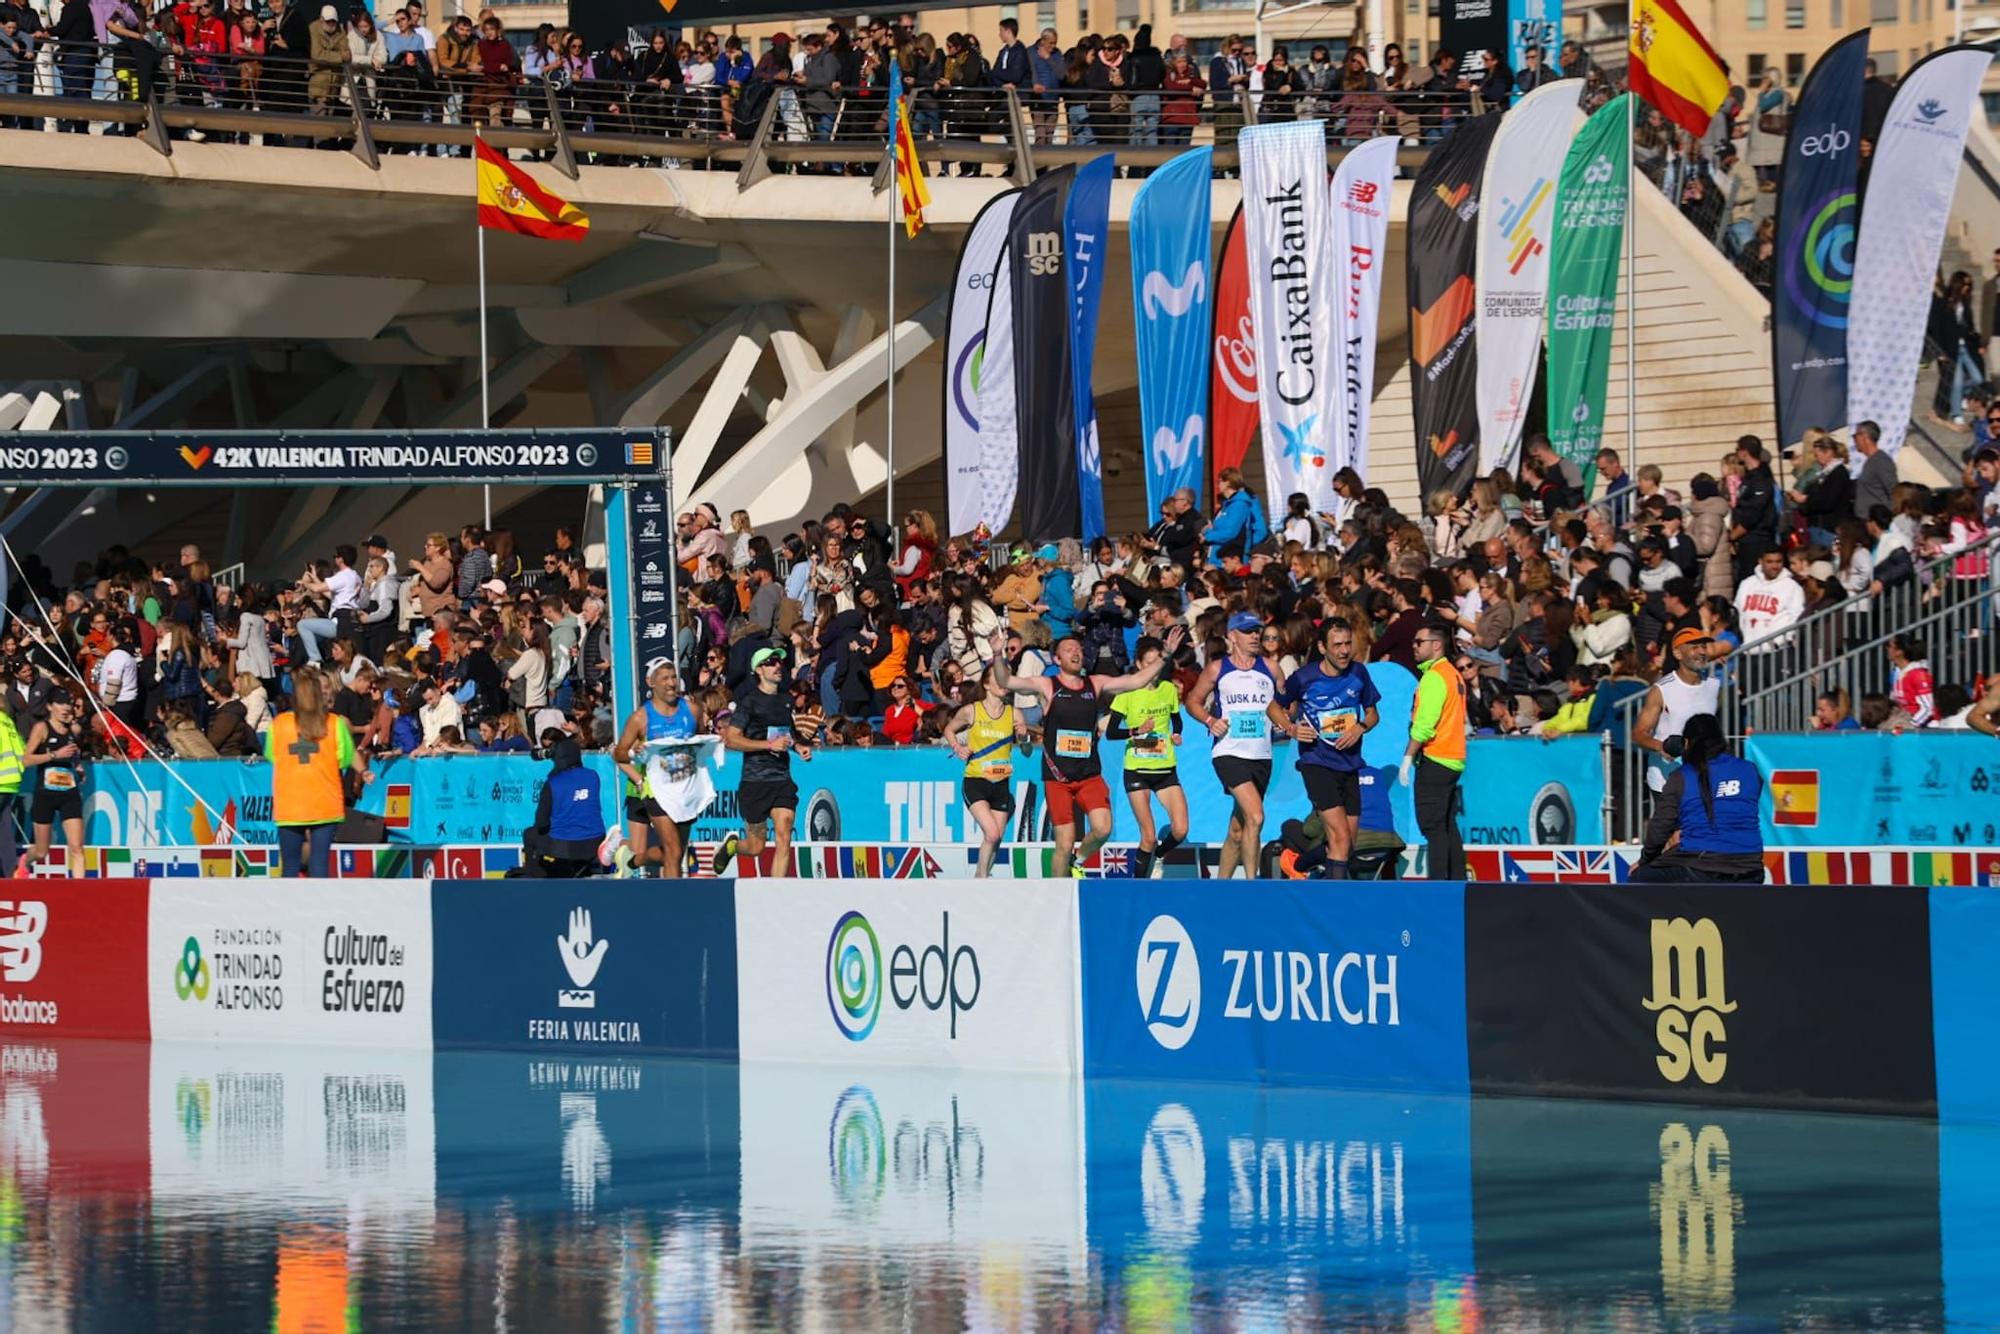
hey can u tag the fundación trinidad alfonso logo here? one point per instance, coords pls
(1169, 978)
(1690, 997)
(191, 972)
(854, 976)
(582, 955)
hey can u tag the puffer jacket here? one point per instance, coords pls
(1708, 525)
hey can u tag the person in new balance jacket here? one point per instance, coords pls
(1706, 825)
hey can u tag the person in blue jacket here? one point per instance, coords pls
(1058, 593)
(1239, 525)
(569, 815)
(1707, 824)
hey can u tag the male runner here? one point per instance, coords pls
(1332, 704)
(984, 734)
(1691, 688)
(761, 727)
(666, 786)
(1236, 699)
(1072, 774)
(1150, 722)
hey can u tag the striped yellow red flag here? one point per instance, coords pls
(510, 201)
(910, 185)
(1673, 67)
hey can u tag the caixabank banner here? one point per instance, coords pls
(73, 959)
(896, 972)
(590, 965)
(342, 961)
(1779, 996)
(1338, 985)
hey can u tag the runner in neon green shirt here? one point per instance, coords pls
(1149, 720)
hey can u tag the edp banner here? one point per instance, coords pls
(965, 344)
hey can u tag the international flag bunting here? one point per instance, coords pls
(1673, 66)
(510, 201)
(910, 186)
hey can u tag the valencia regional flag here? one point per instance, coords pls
(910, 185)
(1673, 66)
(510, 201)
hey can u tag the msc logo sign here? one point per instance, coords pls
(1169, 982)
(1690, 997)
(1043, 253)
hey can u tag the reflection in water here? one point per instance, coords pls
(302, 1188)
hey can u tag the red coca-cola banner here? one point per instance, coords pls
(1232, 398)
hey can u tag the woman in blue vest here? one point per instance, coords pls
(569, 816)
(1707, 825)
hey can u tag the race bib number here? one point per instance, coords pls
(995, 772)
(1246, 724)
(1072, 744)
(1149, 747)
(1334, 723)
(58, 780)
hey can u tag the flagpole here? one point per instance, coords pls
(1631, 281)
(485, 408)
(895, 194)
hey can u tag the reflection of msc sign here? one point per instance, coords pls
(1697, 1212)
(938, 977)
(1284, 985)
(1691, 998)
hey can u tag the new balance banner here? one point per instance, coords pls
(999, 413)
(1043, 388)
(1467, 27)
(1770, 995)
(1513, 267)
(651, 639)
(1362, 190)
(1591, 199)
(1443, 252)
(1087, 231)
(1817, 217)
(1910, 183)
(1169, 236)
(964, 348)
(1287, 226)
(1232, 394)
(73, 959)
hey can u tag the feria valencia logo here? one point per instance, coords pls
(1690, 997)
(937, 977)
(1263, 985)
(582, 955)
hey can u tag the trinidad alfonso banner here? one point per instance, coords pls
(1591, 199)
(1043, 396)
(1287, 223)
(1087, 229)
(1169, 236)
(999, 426)
(1513, 270)
(1444, 249)
(1232, 394)
(1817, 219)
(1362, 189)
(1910, 184)
(965, 347)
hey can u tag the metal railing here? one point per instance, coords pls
(1773, 683)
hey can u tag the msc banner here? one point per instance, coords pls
(1361, 986)
(1775, 996)
(73, 959)
(590, 965)
(899, 973)
(319, 961)
(1932, 789)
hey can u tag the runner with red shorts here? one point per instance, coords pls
(1072, 776)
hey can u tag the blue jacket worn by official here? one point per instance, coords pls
(1714, 801)
(569, 816)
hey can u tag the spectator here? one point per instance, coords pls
(1769, 599)
(1753, 517)
(1875, 484)
(1912, 688)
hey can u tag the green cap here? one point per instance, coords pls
(764, 655)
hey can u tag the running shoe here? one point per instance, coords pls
(723, 856)
(614, 850)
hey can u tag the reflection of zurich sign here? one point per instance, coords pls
(1169, 982)
(1173, 1174)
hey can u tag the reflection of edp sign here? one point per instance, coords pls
(319, 961)
(936, 973)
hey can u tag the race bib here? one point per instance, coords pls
(1149, 747)
(1246, 724)
(58, 780)
(1334, 723)
(995, 772)
(1072, 744)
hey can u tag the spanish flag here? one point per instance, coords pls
(510, 201)
(1674, 67)
(910, 186)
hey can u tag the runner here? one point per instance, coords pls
(673, 788)
(1072, 774)
(55, 747)
(1690, 689)
(1246, 689)
(761, 727)
(1333, 706)
(1151, 719)
(984, 734)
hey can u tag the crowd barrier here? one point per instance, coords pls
(1868, 998)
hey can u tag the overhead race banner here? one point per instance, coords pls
(1086, 233)
(1288, 229)
(352, 458)
(652, 560)
(1817, 219)
(1232, 392)
(1043, 386)
(1171, 286)
(1513, 264)
(1534, 23)
(999, 411)
(964, 349)
(1591, 200)
(1443, 253)
(1911, 179)
(1363, 191)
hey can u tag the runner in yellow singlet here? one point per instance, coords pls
(1150, 721)
(984, 734)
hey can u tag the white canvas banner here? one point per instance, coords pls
(1516, 225)
(1363, 192)
(1287, 230)
(999, 418)
(965, 349)
(1903, 219)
